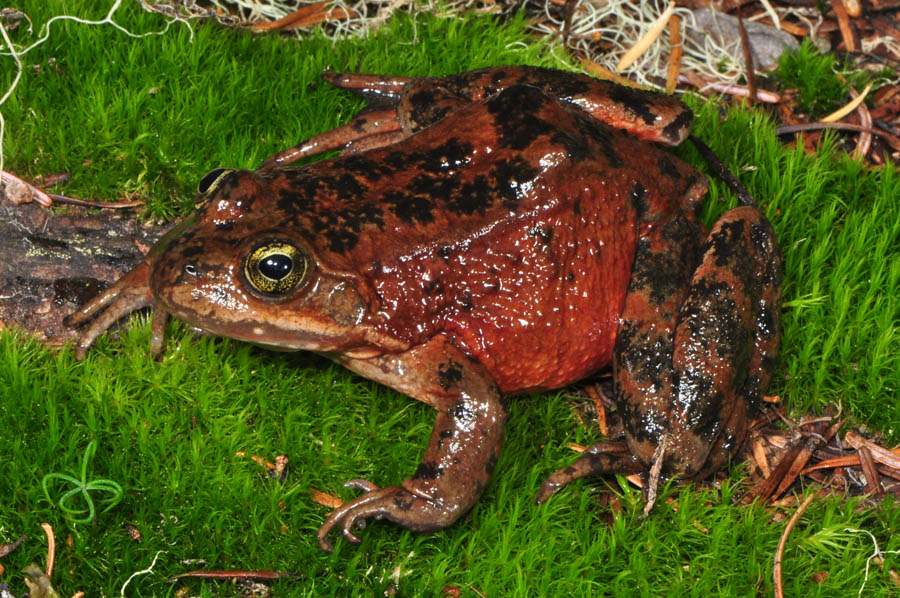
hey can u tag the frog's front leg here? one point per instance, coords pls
(130, 293)
(397, 108)
(369, 130)
(378, 125)
(460, 456)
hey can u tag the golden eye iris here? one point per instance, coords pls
(276, 268)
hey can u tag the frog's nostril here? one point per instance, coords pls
(191, 270)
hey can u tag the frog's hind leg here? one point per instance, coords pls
(602, 458)
(727, 339)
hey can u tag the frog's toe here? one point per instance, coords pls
(360, 484)
(374, 503)
(603, 458)
(131, 293)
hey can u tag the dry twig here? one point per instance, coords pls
(51, 549)
(748, 60)
(779, 552)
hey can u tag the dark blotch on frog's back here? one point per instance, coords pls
(447, 157)
(298, 194)
(519, 128)
(510, 176)
(667, 166)
(371, 170)
(342, 226)
(190, 251)
(602, 136)
(474, 197)
(439, 187)
(341, 241)
(437, 180)
(558, 83)
(523, 113)
(409, 207)
(332, 205)
(341, 183)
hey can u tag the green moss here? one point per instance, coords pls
(821, 80)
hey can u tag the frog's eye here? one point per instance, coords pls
(276, 268)
(211, 180)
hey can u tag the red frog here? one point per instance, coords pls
(498, 232)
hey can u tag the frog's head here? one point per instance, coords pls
(237, 269)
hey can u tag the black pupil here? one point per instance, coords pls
(276, 266)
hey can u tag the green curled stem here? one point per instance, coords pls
(83, 488)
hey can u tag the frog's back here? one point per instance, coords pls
(509, 226)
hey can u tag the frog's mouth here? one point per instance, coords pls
(302, 325)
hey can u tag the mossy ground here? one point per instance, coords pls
(149, 116)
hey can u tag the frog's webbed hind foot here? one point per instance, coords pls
(602, 458)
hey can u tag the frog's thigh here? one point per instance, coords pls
(468, 431)
(726, 341)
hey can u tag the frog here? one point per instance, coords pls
(494, 233)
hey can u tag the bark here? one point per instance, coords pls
(51, 263)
